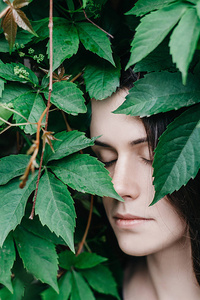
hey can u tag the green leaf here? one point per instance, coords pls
(68, 97)
(12, 204)
(7, 257)
(95, 40)
(55, 208)
(159, 59)
(1, 86)
(67, 143)
(5, 113)
(183, 41)
(85, 174)
(67, 259)
(18, 291)
(175, 165)
(31, 106)
(65, 42)
(101, 79)
(87, 260)
(80, 289)
(160, 92)
(101, 280)
(143, 7)
(12, 91)
(12, 166)
(65, 285)
(153, 29)
(38, 255)
(35, 227)
(8, 72)
(198, 8)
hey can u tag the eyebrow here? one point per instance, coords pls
(132, 143)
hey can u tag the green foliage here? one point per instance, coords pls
(13, 204)
(101, 79)
(7, 257)
(12, 166)
(42, 253)
(55, 208)
(85, 174)
(68, 97)
(165, 48)
(181, 162)
(160, 92)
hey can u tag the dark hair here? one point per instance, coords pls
(187, 199)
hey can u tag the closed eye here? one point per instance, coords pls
(147, 161)
(109, 163)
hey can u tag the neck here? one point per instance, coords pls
(171, 273)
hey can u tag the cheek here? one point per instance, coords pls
(108, 205)
(169, 220)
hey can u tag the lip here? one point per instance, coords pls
(128, 220)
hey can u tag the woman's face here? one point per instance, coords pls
(123, 148)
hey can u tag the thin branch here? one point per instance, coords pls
(87, 227)
(49, 98)
(110, 35)
(77, 76)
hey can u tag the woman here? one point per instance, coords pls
(165, 235)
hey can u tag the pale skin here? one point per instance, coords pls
(156, 232)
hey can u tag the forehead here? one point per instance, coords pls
(114, 126)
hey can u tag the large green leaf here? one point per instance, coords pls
(101, 280)
(67, 143)
(65, 42)
(8, 72)
(159, 59)
(183, 41)
(177, 156)
(68, 97)
(35, 227)
(1, 86)
(18, 291)
(101, 79)
(12, 91)
(160, 92)
(55, 207)
(80, 289)
(5, 112)
(95, 40)
(31, 106)
(142, 7)
(85, 174)
(84, 260)
(153, 29)
(12, 204)
(65, 286)
(12, 166)
(7, 257)
(38, 255)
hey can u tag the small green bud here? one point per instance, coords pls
(31, 51)
(21, 54)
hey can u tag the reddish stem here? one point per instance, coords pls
(48, 102)
(87, 227)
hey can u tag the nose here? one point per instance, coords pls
(125, 179)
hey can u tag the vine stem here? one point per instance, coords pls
(48, 102)
(87, 227)
(110, 35)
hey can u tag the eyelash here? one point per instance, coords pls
(147, 161)
(110, 163)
